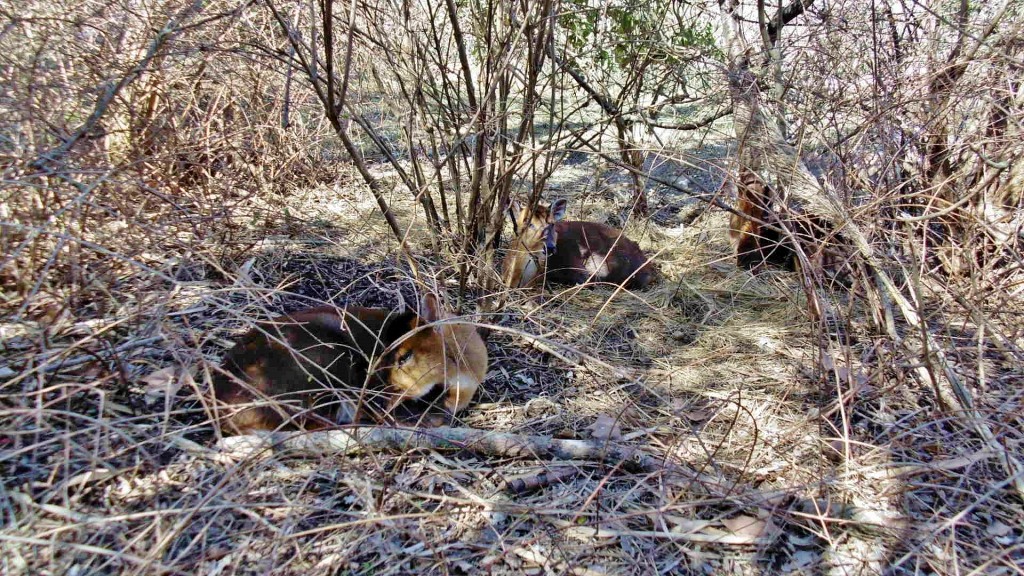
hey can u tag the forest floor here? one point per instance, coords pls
(773, 464)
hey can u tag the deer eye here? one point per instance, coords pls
(404, 358)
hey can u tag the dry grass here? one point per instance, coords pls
(712, 368)
(136, 247)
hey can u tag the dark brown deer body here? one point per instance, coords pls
(325, 366)
(756, 245)
(547, 248)
(594, 252)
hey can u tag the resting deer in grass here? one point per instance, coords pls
(757, 246)
(546, 248)
(326, 366)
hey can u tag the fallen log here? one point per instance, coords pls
(483, 442)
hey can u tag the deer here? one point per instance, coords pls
(548, 248)
(757, 246)
(327, 366)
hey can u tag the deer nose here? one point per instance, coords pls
(549, 241)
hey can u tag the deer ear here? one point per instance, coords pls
(557, 210)
(430, 308)
(514, 209)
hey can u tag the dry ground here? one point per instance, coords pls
(850, 470)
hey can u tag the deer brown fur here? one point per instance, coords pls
(325, 366)
(575, 252)
(755, 244)
(528, 252)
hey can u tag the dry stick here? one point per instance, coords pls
(51, 366)
(419, 193)
(713, 535)
(687, 126)
(828, 208)
(147, 564)
(627, 148)
(820, 202)
(332, 110)
(485, 442)
(163, 36)
(528, 482)
(480, 119)
(551, 347)
(962, 395)
(48, 360)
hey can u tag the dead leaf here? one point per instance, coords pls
(588, 571)
(745, 526)
(799, 541)
(244, 276)
(697, 416)
(117, 409)
(997, 529)
(605, 428)
(532, 556)
(828, 363)
(799, 560)
(164, 383)
(843, 374)
(693, 413)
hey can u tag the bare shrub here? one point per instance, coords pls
(172, 174)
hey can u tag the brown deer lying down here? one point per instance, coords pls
(547, 248)
(324, 366)
(757, 246)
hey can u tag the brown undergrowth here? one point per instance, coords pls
(771, 463)
(173, 173)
